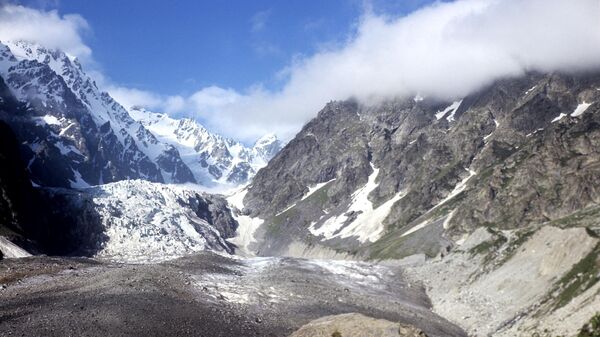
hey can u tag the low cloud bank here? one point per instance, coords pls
(445, 50)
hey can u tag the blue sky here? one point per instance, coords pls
(177, 47)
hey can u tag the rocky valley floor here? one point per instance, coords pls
(202, 295)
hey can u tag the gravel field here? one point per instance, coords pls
(202, 295)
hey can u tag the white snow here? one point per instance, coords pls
(450, 109)
(580, 109)
(368, 224)
(417, 227)
(47, 119)
(287, 209)
(150, 222)
(10, 250)
(315, 188)
(247, 225)
(559, 117)
(66, 149)
(446, 223)
(534, 132)
(427, 223)
(153, 134)
(199, 148)
(79, 182)
(457, 189)
(530, 90)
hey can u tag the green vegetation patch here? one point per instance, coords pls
(592, 328)
(584, 275)
(587, 216)
(513, 245)
(489, 246)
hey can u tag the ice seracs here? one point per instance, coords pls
(149, 222)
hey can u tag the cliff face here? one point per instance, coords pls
(414, 175)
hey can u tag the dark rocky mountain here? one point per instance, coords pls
(38, 220)
(413, 176)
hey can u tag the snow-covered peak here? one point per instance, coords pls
(267, 146)
(214, 160)
(55, 83)
(165, 148)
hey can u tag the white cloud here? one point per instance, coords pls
(129, 97)
(445, 50)
(47, 28)
(259, 20)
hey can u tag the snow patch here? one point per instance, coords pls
(450, 109)
(458, 188)
(559, 117)
(530, 90)
(368, 224)
(46, 120)
(10, 250)
(79, 182)
(427, 223)
(315, 188)
(581, 108)
(247, 225)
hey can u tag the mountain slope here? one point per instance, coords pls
(412, 176)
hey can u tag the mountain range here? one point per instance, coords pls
(77, 135)
(481, 211)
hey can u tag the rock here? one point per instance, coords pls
(356, 325)
(406, 330)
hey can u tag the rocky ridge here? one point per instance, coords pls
(414, 176)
